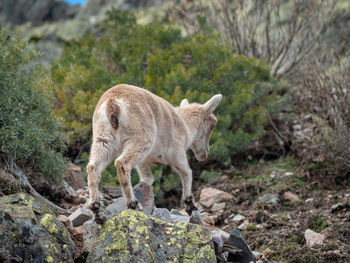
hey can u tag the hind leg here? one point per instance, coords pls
(131, 156)
(145, 172)
(100, 157)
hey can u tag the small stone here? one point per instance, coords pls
(313, 238)
(269, 199)
(80, 216)
(218, 207)
(297, 127)
(64, 219)
(288, 174)
(244, 225)
(223, 178)
(196, 218)
(218, 242)
(209, 221)
(238, 218)
(291, 197)
(210, 196)
(162, 214)
(309, 200)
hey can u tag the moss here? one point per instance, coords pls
(47, 222)
(317, 224)
(251, 227)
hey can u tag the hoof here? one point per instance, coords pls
(100, 219)
(95, 207)
(190, 205)
(135, 205)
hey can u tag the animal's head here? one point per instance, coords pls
(207, 122)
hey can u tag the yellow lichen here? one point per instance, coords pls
(47, 222)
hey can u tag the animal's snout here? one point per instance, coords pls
(202, 156)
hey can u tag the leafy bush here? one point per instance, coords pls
(324, 137)
(29, 134)
(158, 58)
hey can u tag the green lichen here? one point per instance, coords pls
(47, 222)
(49, 259)
(65, 246)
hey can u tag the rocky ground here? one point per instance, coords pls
(265, 212)
(273, 204)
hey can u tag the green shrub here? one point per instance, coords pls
(158, 58)
(29, 134)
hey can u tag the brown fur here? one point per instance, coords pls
(139, 129)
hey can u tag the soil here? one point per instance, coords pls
(280, 227)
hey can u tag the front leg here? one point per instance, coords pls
(182, 167)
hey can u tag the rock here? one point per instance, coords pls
(269, 199)
(244, 225)
(288, 174)
(175, 212)
(64, 219)
(74, 177)
(339, 206)
(162, 214)
(35, 11)
(237, 240)
(144, 194)
(218, 242)
(80, 216)
(209, 196)
(131, 236)
(115, 207)
(113, 192)
(312, 238)
(291, 197)
(88, 231)
(179, 219)
(238, 218)
(30, 232)
(196, 218)
(218, 207)
(309, 200)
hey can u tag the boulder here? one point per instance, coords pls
(236, 240)
(131, 236)
(35, 11)
(30, 232)
(210, 196)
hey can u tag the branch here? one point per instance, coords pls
(18, 173)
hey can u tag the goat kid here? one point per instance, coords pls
(138, 129)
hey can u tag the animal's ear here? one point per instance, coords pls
(211, 104)
(184, 102)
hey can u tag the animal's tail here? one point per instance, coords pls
(113, 112)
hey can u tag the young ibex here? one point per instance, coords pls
(139, 129)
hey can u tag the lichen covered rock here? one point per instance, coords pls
(30, 232)
(131, 236)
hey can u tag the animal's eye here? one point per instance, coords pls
(212, 126)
